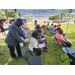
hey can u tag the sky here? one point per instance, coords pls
(73, 13)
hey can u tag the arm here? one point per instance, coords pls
(15, 34)
(25, 27)
(23, 34)
(28, 29)
(35, 29)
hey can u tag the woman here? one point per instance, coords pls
(12, 21)
(1, 28)
(34, 42)
(35, 23)
(26, 29)
(59, 37)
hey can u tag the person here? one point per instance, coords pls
(58, 26)
(54, 27)
(12, 21)
(51, 26)
(59, 37)
(47, 26)
(35, 23)
(43, 27)
(2, 29)
(51, 29)
(38, 28)
(34, 42)
(57, 31)
(13, 38)
(42, 39)
(26, 28)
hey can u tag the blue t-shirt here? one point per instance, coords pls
(35, 38)
(39, 29)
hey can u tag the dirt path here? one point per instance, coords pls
(1, 36)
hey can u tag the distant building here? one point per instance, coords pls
(66, 17)
(40, 19)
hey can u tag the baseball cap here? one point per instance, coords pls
(20, 20)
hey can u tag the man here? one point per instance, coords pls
(14, 38)
(51, 29)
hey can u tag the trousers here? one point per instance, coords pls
(12, 53)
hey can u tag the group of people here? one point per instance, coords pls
(13, 39)
(59, 35)
(38, 40)
(19, 31)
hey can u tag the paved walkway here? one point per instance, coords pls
(1, 36)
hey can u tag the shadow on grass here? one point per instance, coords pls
(48, 58)
(6, 59)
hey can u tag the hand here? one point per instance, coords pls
(24, 42)
(41, 40)
(67, 41)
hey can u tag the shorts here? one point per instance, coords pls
(2, 29)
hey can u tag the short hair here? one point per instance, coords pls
(35, 34)
(51, 24)
(35, 21)
(54, 25)
(38, 26)
(39, 31)
(58, 29)
(12, 21)
(24, 19)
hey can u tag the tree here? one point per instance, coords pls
(72, 15)
(19, 15)
(52, 17)
(2, 13)
(6, 14)
(62, 15)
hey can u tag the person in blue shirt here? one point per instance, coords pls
(38, 28)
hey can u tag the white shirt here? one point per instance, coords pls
(33, 44)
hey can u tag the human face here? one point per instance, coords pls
(24, 21)
(19, 24)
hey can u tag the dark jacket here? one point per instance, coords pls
(13, 36)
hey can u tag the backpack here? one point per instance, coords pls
(1, 25)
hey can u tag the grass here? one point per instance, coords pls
(49, 58)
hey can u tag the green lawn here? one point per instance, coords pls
(49, 58)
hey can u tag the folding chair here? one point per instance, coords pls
(69, 51)
(26, 54)
(35, 60)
